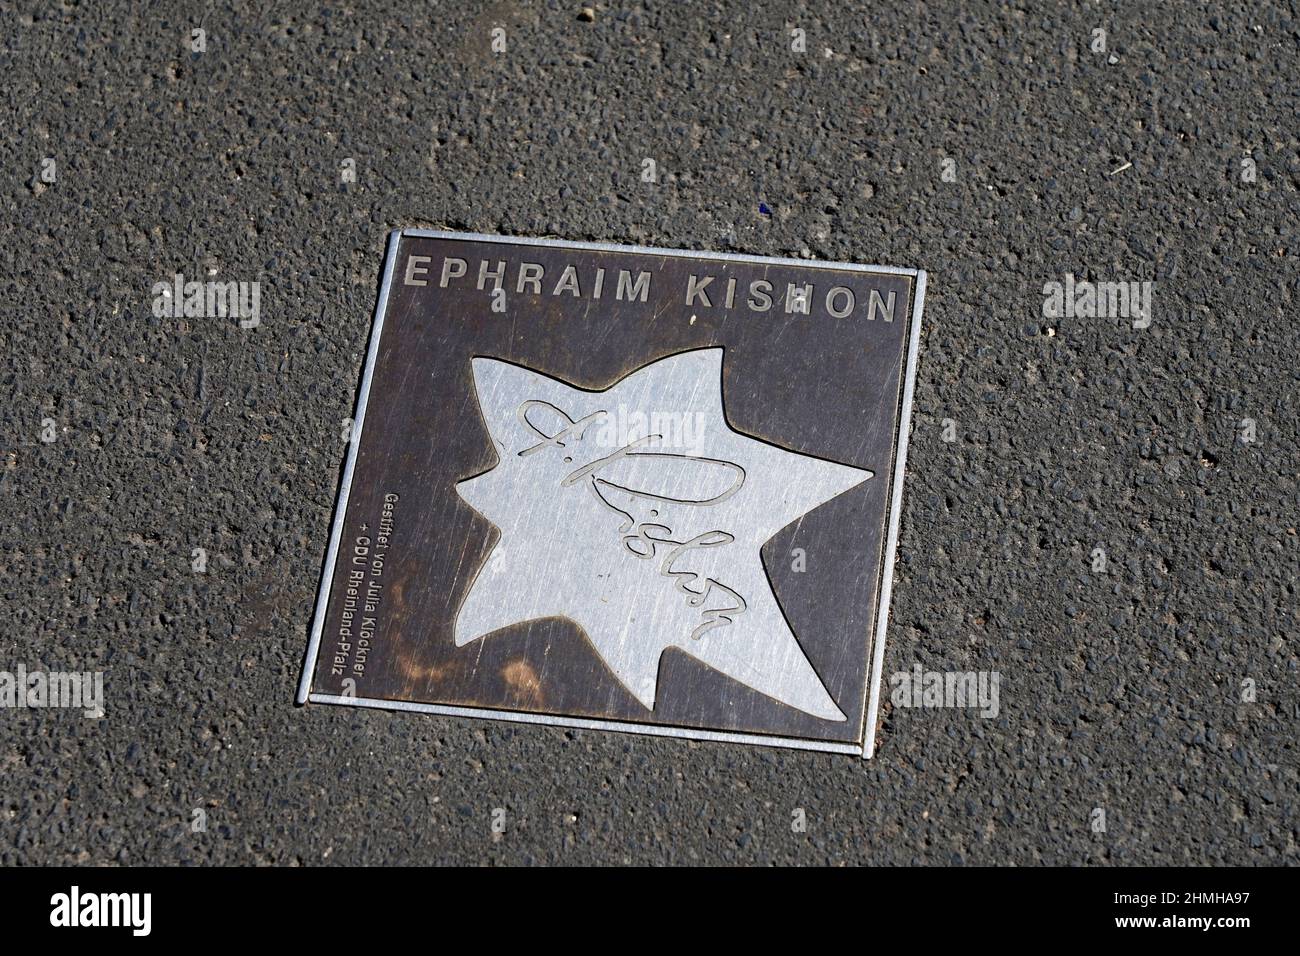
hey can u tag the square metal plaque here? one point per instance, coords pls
(622, 488)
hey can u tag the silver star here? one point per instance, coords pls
(639, 514)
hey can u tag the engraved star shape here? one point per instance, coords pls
(638, 513)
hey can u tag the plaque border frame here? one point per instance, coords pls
(866, 748)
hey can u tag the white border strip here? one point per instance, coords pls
(341, 508)
(585, 723)
(887, 568)
(655, 251)
(895, 513)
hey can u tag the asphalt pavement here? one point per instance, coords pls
(168, 482)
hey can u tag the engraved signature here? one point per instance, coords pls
(645, 538)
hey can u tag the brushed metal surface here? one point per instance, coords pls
(639, 514)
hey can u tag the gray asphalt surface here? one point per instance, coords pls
(1120, 691)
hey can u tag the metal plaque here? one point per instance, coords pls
(622, 488)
